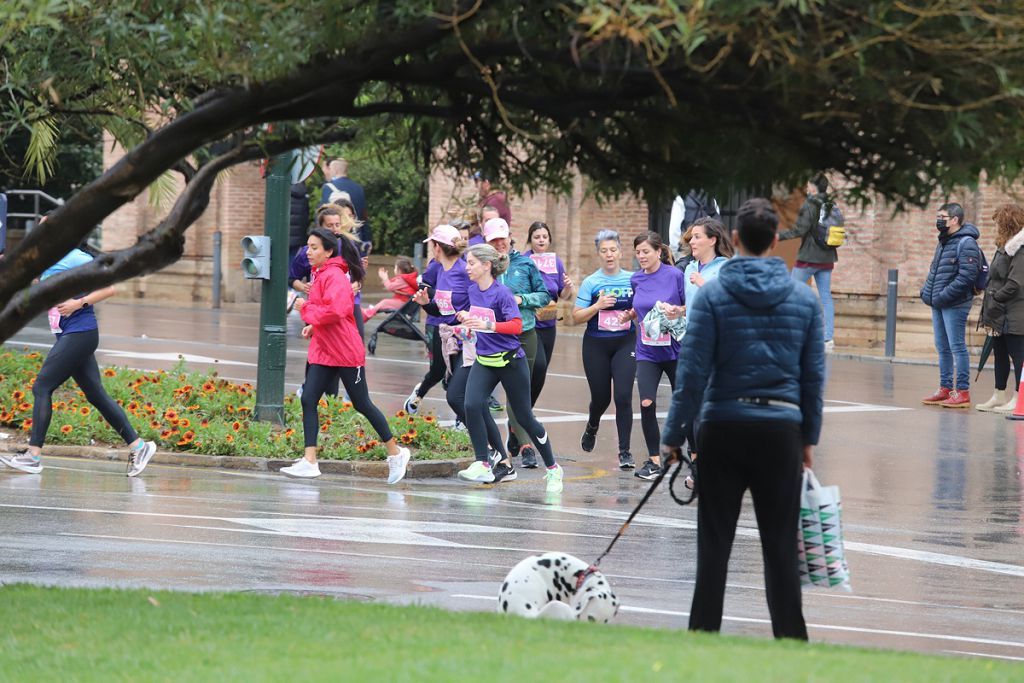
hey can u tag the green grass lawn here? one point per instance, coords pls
(53, 634)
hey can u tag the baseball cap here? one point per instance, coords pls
(444, 234)
(495, 228)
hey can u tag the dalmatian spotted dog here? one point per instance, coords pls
(557, 586)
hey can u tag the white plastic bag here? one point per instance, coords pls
(820, 537)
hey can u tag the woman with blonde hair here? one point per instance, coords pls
(1002, 309)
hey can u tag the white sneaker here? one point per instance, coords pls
(1007, 407)
(23, 462)
(999, 398)
(830, 346)
(303, 469)
(477, 472)
(137, 460)
(397, 465)
(412, 404)
(553, 478)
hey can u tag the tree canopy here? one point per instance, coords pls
(901, 97)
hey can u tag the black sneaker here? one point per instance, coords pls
(589, 438)
(512, 445)
(504, 472)
(529, 457)
(494, 457)
(626, 461)
(649, 471)
(493, 404)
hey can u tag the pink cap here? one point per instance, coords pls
(444, 234)
(495, 228)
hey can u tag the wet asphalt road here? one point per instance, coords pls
(933, 508)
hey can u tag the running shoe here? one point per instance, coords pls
(512, 444)
(529, 457)
(459, 426)
(138, 459)
(494, 457)
(553, 479)
(303, 469)
(477, 472)
(398, 464)
(503, 472)
(412, 404)
(649, 471)
(493, 404)
(626, 461)
(589, 438)
(23, 462)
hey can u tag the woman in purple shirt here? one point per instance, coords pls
(494, 319)
(656, 281)
(559, 286)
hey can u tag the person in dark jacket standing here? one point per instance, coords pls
(298, 219)
(949, 290)
(814, 260)
(1002, 310)
(753, 383)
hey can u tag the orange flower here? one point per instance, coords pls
(85, 410)
(412, 433)
(28, 406)
(204, 423)
(230, 408)
(66, 429)
(229, 438)
(133, 406)
(169, 414)
(175, 422)
(166, 433)
(154, 424)
(208, 386)
(184, 423)
(412, 420)
(289, 431)
(18, 395)
(186, 438)
(400, 413)
(26, 426)
(109, 372)
(429, 418)
(406, 439)
(236, 425)
(324, 428)
(245, 409)
(322, 403)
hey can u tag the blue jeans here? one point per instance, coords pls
(950, 327)
(823, 281)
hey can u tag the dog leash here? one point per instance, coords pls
(683, 459)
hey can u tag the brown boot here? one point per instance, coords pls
(938, 397)
(958, 398)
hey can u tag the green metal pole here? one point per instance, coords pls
(273, 341)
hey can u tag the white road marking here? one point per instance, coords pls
(984, 654)
(824, 627)
(145, 355)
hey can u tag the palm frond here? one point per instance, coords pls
(42, 149)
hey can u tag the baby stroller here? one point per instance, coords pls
(400, 324)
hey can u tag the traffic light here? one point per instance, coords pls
(256, 263)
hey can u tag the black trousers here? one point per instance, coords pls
(456, 397)
(608, 362)
(765, 457)
(435, 373)
(648, 376)
(539, 374)
(318, 377)
(515, 378)
(1005, 348)
(72, 357)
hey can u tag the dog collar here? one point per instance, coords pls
(592, 569)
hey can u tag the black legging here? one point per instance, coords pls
(515, 377)
(435, 373)
(648, 375)
(72, 357)
(608, 360)
(545, 341)
(1006, 347)
(456, 397)
(354, 379)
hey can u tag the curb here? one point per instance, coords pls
(376, 469)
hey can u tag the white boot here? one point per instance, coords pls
(1007, 407)
(999, 398)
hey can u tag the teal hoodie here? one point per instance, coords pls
(523, 278)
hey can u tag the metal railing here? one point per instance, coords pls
(38, 206)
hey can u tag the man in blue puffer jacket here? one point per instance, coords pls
(949, 290)
(751, 373)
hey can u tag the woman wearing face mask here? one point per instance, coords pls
(559, 286)
(336, 350)
(609, 344)
(494, 317)
(710, 248)
(657, 281)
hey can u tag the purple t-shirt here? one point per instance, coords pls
(300, 269)
(476, 239)
(496, 303)
(667, 285)
(552, 272)
(450, 293)
(429, 275)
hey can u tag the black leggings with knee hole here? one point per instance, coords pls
(648, 376)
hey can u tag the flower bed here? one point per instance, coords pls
(202, 413)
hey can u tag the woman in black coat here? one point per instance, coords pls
(1002, 310)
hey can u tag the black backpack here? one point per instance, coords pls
(829, 217)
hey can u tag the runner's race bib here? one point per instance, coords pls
(483, 314)
(545, 262)
(608, 321)
(662, 340)
(443, 299)
(54, 318)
